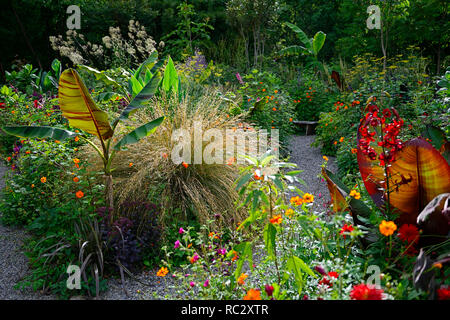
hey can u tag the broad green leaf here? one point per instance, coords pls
(302, 36)
(100, 75)
(243, 180)
(39, 132)
(170, 79)
(79, 108)
(139, 133)
(270, 238)
(293, 267)
(293, 51)
(438, 139)
(319, 40)
(144, 95)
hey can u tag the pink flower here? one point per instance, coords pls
(177, 244)
(181, 231)
(206, 284)
(238, 76)
(269, 290)
(192, 283)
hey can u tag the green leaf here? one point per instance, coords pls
(170, 80)
(100, 75)
(139, 133)
(319, 40)
(145, 94)
(270, 239)
(243, 180)
(293, 51)
(39, 132)
(293, 266)
(302, 36)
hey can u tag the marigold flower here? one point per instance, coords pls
(79, 194)
(76, 161)
(276, 219)
(354, 150)
(366, 292)
(76, 179)
(162, 272)
(43, 179)
(387, 228)
(307, 197)
(77, 138)
(253, 294)
(241, 279)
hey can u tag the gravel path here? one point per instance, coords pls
(14, 265)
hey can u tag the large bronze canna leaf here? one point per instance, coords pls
(78, 107)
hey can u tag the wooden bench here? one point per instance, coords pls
(309, 125)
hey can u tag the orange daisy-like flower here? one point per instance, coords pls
(241, 279)
(274, 109)
(235, 256)
(77, 138)
(185, 164)
(297, 201)
(76, 179)
(355, 194)
(341, 139)
(276, 219)
(387, 228)
(76, 161)
(290, 119)
(354, 150)
(32, 185)
(325, 158)
(130, 164)
(79, 194)
(307, 197)
(43, 179)
(253, 294)
(162, 272)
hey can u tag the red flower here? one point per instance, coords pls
(346, 228)
(408, 233)
(327, 279)
(365, 292)
(443, 293)
(333, 274)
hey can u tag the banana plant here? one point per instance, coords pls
(80, 110)
(311, 46)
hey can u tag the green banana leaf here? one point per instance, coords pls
(139, 133)
(40, 132)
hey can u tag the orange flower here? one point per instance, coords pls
(253, 294)
(9, 159)
(307, 197)
(274, 109)
(185, 164)
(162, 272)
(189, 245)
(241, 279)
(77, 138)
(276, 91)
(76, 161)
(296, 201)
(387, 228)
(290, 119)
(289, 213)
(79, 194)
(32, 185)
(341, 139)
(75, 179)
(43, 179)
(130, 164)
(335, 143)
(57, 141)
(27, 152)
(276, 219)
(235, 256)
(355, 194)
(325, 158)
(354, 150)
(263, 90)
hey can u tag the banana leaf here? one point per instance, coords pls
(139, 133)
(40, 132)
(79, 108)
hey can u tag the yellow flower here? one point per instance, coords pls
(162, 272)
(387, 228)
(241, 279)
(341, 139)
(355, 194)
(43, 179)
(325, 158)
(289, 213)
(297, 201)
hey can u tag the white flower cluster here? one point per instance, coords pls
(134, 50)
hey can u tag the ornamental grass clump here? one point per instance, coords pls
(185, 188)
